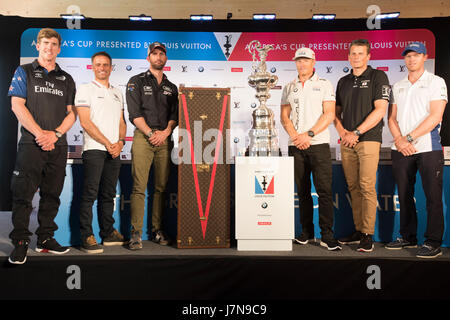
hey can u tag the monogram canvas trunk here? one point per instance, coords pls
(203, 174)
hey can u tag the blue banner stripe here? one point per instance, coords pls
(129, 44)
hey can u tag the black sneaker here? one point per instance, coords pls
(400, 244)
(90, 245)
(114, 239)
(330, 243)
(428, 252)
(366, 243)
(352, 239)
(304, 238)
(135, 242)
(159, 236)
(51, 246)
(19, 254)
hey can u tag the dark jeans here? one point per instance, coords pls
(37, 169)
(316, 160)
(101, 173)
(430, 166)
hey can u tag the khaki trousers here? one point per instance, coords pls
(144, 155)
(360, 165)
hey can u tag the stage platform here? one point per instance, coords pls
(156, 272)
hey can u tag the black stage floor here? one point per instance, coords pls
(157, 272)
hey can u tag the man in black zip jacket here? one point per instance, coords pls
(42, 97)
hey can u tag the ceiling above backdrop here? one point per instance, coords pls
(240, 9)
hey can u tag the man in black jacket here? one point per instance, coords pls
(42, 98)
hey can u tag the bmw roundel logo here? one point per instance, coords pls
(264, 205)
(201, 69)
(236, 140)
(346, 69)
(253, 105)
(129, 68)
(273, 69)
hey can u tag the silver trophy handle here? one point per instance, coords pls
(263, 135)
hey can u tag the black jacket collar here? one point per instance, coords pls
(365, 74)
(36, 65)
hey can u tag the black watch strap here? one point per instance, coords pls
(58, 134)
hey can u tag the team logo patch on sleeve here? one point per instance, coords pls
(386, 91)
(130, 87)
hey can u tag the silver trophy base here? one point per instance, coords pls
(263, 143)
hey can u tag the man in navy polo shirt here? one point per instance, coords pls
(42, 97)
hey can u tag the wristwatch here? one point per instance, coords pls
(357, 132)
(311, 133)
(409, 138)
(123, 141)
(58, 134)
(150, 133)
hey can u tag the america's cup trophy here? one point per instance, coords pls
(263, 135)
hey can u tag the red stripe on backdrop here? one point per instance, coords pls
(333, 46)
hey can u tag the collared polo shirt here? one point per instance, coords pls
(413, 106)
(356, 95)
(307, 104)
(47, 96)
(106, 109)
(156, 103)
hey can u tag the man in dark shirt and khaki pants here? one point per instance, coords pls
(361, 102)
(153, 108)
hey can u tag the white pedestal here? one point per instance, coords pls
(264, 245)
(264, 203)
